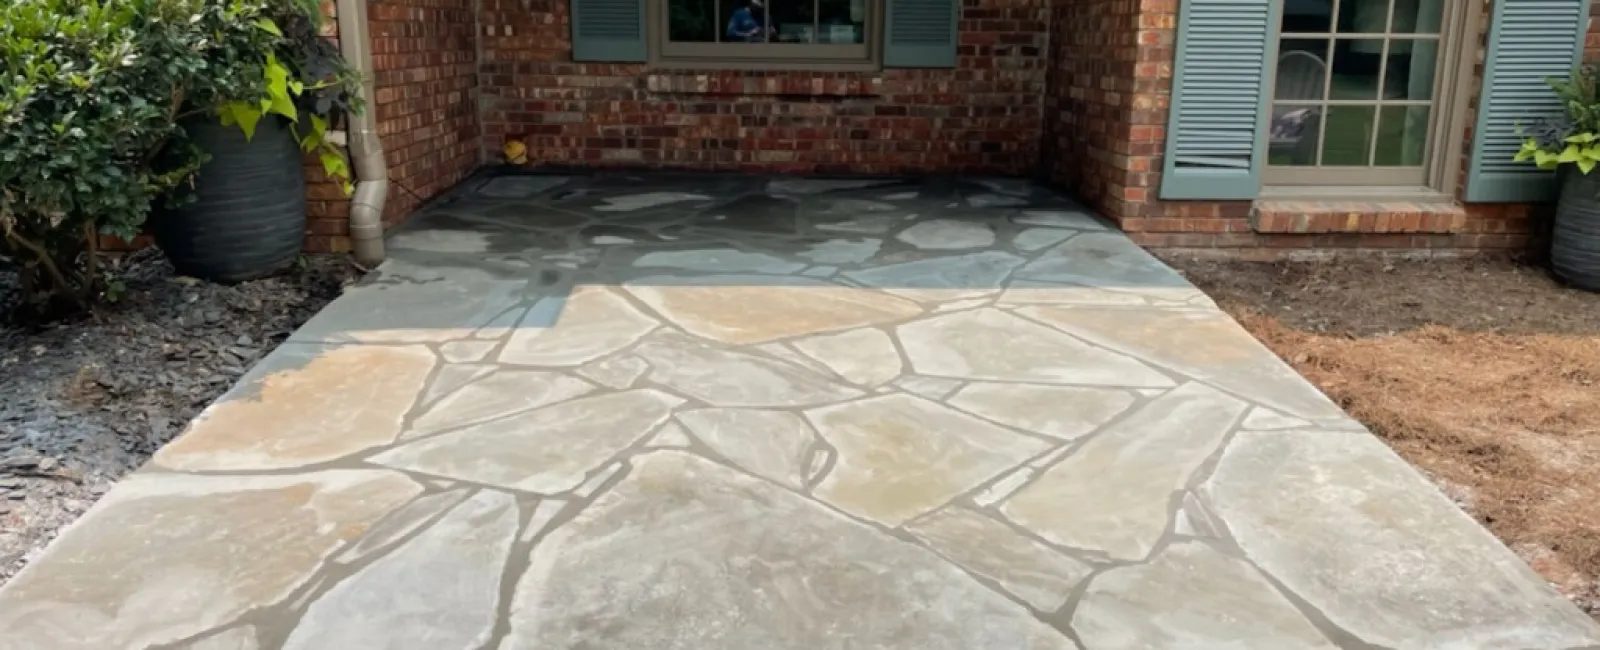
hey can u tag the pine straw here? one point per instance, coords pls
(1508, 424)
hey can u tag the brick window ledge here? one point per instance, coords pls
(746, 82)
(1321, 217)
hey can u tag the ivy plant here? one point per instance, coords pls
(1573, 137)
(310, 85)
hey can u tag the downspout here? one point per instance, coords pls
(366, 150)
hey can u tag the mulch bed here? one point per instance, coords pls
(1483, 373)
(89, 399)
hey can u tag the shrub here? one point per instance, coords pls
(91, 92)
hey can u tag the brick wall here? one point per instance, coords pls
(984, 116)
(424, 56)
(1112, 88)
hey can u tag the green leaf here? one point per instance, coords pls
(269, 27)
(243, 114)
(1569, 154)
(1546, 160)
(1586, 165)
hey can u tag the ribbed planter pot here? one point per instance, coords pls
(247, 216)
(1575, 239)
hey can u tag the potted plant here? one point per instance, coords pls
(1570, 144)
(242, 214)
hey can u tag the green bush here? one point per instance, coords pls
(91, 92)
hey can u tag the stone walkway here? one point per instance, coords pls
(731, 412)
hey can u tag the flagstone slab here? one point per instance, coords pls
(438, 590)
(736, 379)
(1034, 239)
(283, 411)
(413, 303)
(164, 557)
(718, 260)
(452, 377)
(616, 372)
(1207, 345)
(1065, 412)
(943, 278)
(1191, 596)
(901, 456)
(738, 563)
(591, 323)
(498, 395)
(842, 251)
(1342, 522)
(1074, 219)
(547, 450)
(988, 344)
(1029, 292)
(1025, 568)
(236, 638)
(401, 523)
(947, 234)
(865, 356)
(771, 444)
(719, 307)
(1112, 261)
(632, 202)
(1113, 494)
(807, 186)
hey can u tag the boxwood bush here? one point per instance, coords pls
(91, 92)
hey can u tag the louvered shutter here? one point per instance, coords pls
(921, 33)
(1219, 99)
(1529, 42)
(608, 30)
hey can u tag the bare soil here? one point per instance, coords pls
(84, 401)
(1483, 373)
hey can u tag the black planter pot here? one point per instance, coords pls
(247, 216)
(1575, 239)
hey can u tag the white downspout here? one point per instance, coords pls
(366, 151)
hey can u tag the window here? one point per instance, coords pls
(764, 33)
(1360, 90)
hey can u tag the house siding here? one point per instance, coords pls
(983, 116)
(1075, 92)
(1111, 90)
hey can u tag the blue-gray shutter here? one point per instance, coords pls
(1529, 42)
(609, 30)
(921, 33)
(1219, 98)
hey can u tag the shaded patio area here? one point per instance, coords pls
(702, 411)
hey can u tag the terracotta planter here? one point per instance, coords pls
(247, 216)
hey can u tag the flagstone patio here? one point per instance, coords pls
(735, 412)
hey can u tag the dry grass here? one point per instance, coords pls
(1506, 420)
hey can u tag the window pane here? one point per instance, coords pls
(1355, 69)
(1402, 135)
(1302, 69)
(1293, 135)
(1411, 69)
(842, 22)
(1308, 16)
(1363, 16)
(744, 22)
(794, 22)
(1417, 16)
(1348, 136)
(692, 21)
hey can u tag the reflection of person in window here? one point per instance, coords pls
(745, 23)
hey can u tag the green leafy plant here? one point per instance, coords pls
(305, 80)
(1572, 137)
(92, 94)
